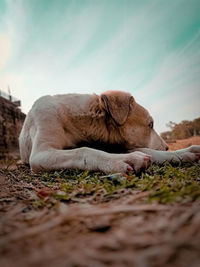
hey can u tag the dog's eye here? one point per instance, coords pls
(151, 125)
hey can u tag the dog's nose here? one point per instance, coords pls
(166, 148)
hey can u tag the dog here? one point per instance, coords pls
(109, 133)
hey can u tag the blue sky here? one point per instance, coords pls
(150, 48)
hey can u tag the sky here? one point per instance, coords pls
(150, 48)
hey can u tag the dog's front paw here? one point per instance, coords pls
(194, 149)
(129, 162)
(189, 154)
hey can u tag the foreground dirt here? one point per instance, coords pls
(126, 231)
(179, 144)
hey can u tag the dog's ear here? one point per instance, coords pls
(117, 105)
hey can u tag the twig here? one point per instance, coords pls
(84, 212)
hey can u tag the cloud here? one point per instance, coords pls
(178, 72)
(43, 67)
(176, 107)
(5, 50)
(54, 48)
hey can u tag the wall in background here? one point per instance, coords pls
(11, 121)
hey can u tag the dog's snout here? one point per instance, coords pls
(166, 148)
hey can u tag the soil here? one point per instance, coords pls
(123, 231)
(183, 143)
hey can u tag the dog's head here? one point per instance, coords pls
(133, 121)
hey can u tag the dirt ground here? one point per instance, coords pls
(179, 144)
(122, 231)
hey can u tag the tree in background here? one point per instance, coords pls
(170, 124)
(182, 130)
(196, 125)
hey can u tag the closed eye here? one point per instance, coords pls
(151, 125)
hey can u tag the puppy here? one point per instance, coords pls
(110, 133)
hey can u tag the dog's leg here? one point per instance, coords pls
(189, 154)
(87, 158)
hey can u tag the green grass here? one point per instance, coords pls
(167, 184)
